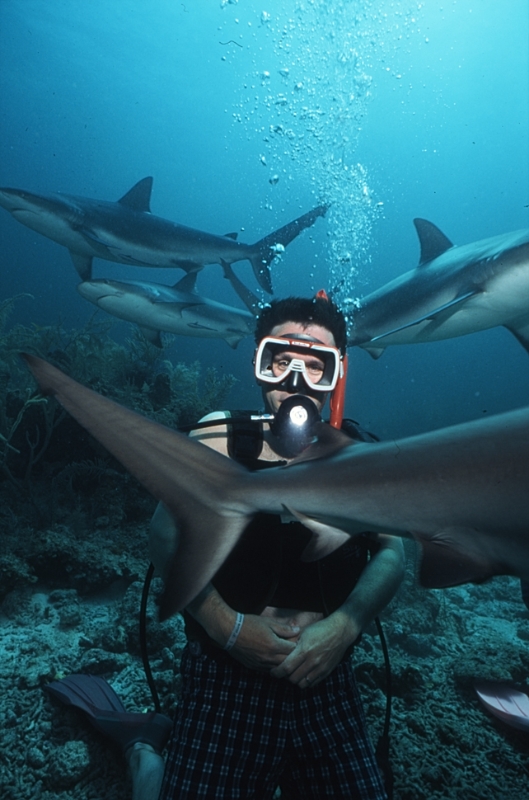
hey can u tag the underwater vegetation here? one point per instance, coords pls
(51, 471)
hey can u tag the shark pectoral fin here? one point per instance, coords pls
(430, 316)
(152, 336)
(233, 236)
(520, 329)
(442, 564)
(233, 339)
(187, 283)
(188, 266)
(250, 300)
(325, 538)
(374, 352)
(83, 265)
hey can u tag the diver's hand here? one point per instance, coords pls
(320, 648)
(263, 642)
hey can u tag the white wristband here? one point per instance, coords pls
(235, 632)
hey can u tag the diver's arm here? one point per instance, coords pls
(321, 646)
(376, 586)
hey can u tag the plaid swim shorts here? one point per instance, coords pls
(239, 734)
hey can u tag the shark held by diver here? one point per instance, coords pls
(461, 492)
(453, 291)
(127, 233)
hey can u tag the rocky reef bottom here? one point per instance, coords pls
(71, 598)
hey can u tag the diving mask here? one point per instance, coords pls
(278, 359)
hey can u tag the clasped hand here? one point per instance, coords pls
(319, 649)
(303, 656)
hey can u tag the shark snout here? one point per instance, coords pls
(12, 200)
(97, 290)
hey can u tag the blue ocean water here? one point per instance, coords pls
(248, 114)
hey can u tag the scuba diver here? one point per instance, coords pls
(269, 698)
(268, 692)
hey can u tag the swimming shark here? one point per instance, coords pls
(462, 491)
(453, 291)
(126, 232)
(174, 309)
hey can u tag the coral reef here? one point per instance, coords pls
(45, 456)
(444, 746)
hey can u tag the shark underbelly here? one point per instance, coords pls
(155, 250)
(503, 300)
(172, 319)
(60, 230)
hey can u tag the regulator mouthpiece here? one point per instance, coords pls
(294, 424)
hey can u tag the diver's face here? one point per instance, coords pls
(274, 396)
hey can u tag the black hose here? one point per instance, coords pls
(382, 749)
(143, 637)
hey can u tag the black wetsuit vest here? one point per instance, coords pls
(265, 567)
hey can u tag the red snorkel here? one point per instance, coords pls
(337, 401)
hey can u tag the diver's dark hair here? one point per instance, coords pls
(305, 311)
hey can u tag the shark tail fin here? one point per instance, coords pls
(203, 545)
(198, 486)
(274, 244)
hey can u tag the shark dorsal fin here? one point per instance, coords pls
(139, 197)
(433, 241)
(187, 283)
(328, 441)
(233, 236)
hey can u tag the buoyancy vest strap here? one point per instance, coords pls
(245, 439)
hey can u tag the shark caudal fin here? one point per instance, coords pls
(274, 244)
(195, 483)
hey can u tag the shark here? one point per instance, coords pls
(175, 309)
(454, 290)
(127, 232)
(461, 491)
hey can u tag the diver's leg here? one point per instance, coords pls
(146, 768)
(331, 754)
(227, 742)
